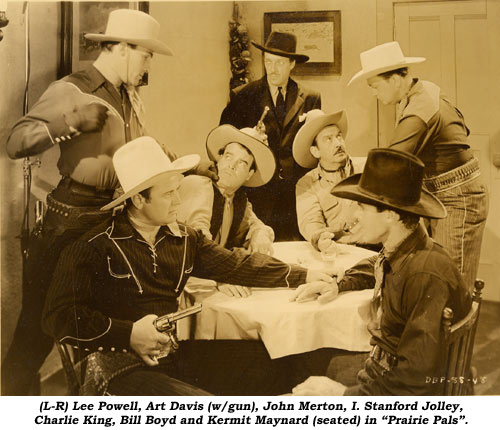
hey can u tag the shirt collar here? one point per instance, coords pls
(107, 72)
(274, 91)
(319, 173)
(122, 229)
(96, 77)
(398, 257)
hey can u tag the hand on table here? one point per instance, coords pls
(319, 386)
(234, 290)
(322, 291)
(148, 342)
(319, 285)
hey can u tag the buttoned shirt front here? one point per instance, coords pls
(420, 281)
(85, 157)
(112, 277)
(318, 210)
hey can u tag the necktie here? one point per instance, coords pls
(400, 107)
(227, 219)
(376, 302)
(137, 104)
(280, 106)
(126, 107)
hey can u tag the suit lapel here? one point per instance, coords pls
(294, 101)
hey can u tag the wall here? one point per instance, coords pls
(44, 33)
(335, 95)
(188, 91)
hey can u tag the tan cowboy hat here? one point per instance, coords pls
(282, 44)
(391, 179)
(383, 58)
(141, 163)
(134, 27)
(265, 162)
(316, 120)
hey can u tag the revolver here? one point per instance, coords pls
(167, 323)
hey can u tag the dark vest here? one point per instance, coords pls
(239, 205)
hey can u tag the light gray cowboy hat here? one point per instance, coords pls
(316, 120)
(265, 162)
(133, 27)
(391, 179)
(383, 58)
(141, 163)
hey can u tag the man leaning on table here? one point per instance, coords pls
(221, 210)
(413, 278)
(320, 144)
(110, 285)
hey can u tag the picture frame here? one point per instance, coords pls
(78, 18)
(319, 35)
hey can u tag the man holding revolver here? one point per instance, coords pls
(111, 284)
(89, 114)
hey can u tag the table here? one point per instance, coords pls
(284, 327)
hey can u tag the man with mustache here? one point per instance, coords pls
(111, 284)
(287, 100)
(323, 217)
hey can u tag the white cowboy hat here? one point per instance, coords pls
(383, 58)
(134, 27)
(316, 120)
(141, 163)
(265, 162)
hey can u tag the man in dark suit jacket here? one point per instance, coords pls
(274, 203)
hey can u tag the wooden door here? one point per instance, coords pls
(460, 39)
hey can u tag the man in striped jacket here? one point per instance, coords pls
(111, 284)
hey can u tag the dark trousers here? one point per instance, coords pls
(30, 345)
(219, 367)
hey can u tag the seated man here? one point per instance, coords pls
(413, 278)
(321, 216)
(221, 210)
(110, 285)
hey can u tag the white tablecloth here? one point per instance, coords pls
(285, 327)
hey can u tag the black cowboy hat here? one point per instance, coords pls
(391, 179)
(282, 44)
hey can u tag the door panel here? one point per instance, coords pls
(460, 40)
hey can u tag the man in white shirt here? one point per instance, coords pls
(323, 218)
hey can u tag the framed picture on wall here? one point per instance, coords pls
(79, 18)
(318, 36)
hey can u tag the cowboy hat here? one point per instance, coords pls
(316, 120)
(383, 58)
(133, 27)
(141, 163)
(265, 163)
(282, 44)
(391, 179)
